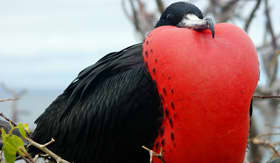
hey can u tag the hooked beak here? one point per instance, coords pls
(193, 22)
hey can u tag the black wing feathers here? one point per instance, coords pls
(106, 114)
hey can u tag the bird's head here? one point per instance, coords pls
(185, 15)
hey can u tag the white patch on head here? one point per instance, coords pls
(191, 17)
(192, 21)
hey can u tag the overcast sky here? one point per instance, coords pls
(44, 44)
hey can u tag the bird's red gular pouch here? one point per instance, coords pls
(206, 86)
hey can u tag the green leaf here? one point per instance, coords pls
(3, 133)
(26, 127)
(21, 129)
(11, 145)
(9, 153)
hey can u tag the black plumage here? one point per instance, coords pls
(106, 114)
(111, 109)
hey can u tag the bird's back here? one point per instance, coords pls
(106, 114)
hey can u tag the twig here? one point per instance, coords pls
(227, 10)
(255, 152)
(36, 158)
(266, 97)
(8, 99)
(270, 126)
(27, 156)
(274, 42)
(7, 119)
(125, 11)
(152, 154)
(42, 147)
(267, 44)
(48, 143)
(265, 143)
(46, 150)
(269, 25)
(160, 6)
(13, 92)
(16, 95)
(267, 134)
(135, 17)
(252, 15)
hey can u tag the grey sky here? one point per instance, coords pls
(44, 44)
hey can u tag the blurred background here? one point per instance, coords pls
(45, 44)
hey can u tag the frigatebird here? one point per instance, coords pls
(113, 108)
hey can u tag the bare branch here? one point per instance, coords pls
(8, 99)
(13, 92)
(16, 95)
(42, 147)
(255, 152)
(274, 62)
(160, 6)
(267, 134)
(267, 144)
(266, 97)
(135, 18)
(46, 150)
(267, 44)
(252, 15)
(269, 25)
(7, 119)
(27, 157)
(125, 11)
(48, 143)
(152, 154)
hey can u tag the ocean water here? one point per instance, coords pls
(30, 106)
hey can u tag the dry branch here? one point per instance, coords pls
(15, 95)
(160, 6)
(266, 97)
(266, 144)
(8, 99)
(42, 147)
(152, 154)
(252, 15)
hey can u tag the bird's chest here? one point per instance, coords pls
(205, 87)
